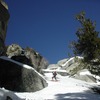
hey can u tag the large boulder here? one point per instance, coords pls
(65, 63)
(37, 60)
(85, 75)
(69, 64)
(27, 56)
(13, 50)
(4, 17)
(19, 77)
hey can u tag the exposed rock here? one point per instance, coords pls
(65, 63)
(17, 78)
(36, 59)
(85, 75)
(76, 70)
(69, 64)
(13, 76)
(61, 62)
(22, 59)
(13, 50)
(27, 56)
(4, 17)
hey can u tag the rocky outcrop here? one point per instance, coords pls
(13, 50)
(85, 75)
(19, 77)
(76, 69)
(27, 56)
(12, 75)
(69, 64)
(4, 17)
(38, 61)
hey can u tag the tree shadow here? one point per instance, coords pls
(78, 96)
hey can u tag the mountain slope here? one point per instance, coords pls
(66, 88)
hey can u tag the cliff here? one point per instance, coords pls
(4, 17)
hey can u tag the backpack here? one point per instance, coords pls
(54, 73)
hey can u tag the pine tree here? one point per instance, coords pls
(88, 42)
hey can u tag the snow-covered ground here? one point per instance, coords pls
(66, 88)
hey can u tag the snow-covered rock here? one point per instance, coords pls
(85, 75)
(19, 77)
(53, 66)
(66, 63)
(8, 95)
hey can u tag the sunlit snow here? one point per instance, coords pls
(65, 88)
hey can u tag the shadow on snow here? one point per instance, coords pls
(78, 96)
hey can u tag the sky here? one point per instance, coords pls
(48, 26)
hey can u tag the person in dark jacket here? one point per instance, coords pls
(54, 75)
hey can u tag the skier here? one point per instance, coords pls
(54, 75)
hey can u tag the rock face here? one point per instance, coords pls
(13, 50)
(4, 17)
(38, 61)
(27, 56)
(13, 76)
(85, 75)
(69, 64)
(17, 78)
(75, 70)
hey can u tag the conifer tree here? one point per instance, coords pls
(88, 42)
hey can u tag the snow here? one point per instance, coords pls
(70, 61)
(65, 88)
(86, 73)
(57, 70)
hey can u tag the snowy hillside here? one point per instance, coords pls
(65, 88)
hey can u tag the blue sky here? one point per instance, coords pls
(48, 26)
